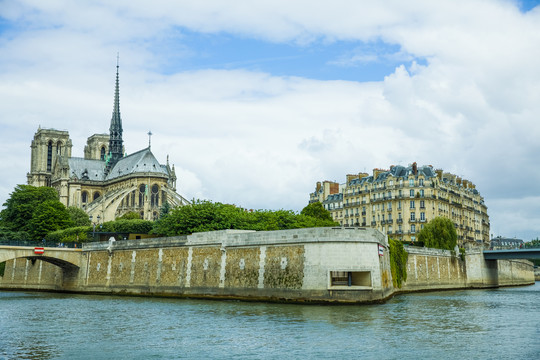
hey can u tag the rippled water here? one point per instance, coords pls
(473, 324)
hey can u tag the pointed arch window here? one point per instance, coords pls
(49, 156)
(154, 199)
(102, 156)
(96, 195)
(142, 193)
(84, 197)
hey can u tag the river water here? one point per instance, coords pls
(473, 324)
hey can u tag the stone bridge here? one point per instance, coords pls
(67, 259)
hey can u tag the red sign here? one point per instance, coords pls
(39, 250)
(381, 250)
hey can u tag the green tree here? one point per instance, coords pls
(78, 216)
(21, 205)
(164, 211)
(316, 210)
(50, 215)
(208, 216)
(439, 233)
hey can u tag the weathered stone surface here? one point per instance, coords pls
(292, 265)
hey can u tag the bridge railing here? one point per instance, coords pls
(32, 243)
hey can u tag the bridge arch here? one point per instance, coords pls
(66, 259)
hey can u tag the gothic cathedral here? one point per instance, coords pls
(106, 183)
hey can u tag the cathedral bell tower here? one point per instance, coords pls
(115, 140)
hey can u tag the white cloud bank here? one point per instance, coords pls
(262, 141)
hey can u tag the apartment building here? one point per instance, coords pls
(400, 201)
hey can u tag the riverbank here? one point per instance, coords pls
(319, 265)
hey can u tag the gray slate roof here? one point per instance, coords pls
(142, 161)
(85, 169)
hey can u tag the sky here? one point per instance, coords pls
(254, 102)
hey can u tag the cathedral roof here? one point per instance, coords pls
(142, 161)
(85, 169)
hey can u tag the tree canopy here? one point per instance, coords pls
(203, 215)
(439, 233)
(21, 205)
(78, 216)
(50, 215)
(317, 210)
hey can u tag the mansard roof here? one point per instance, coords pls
(142, 161)
(396, 172)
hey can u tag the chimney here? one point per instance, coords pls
(350, 177)
(414, 168)
(439, 173)
(318, 187)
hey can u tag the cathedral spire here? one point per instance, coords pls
(115, 140)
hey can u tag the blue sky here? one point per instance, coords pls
(256, 102)
(322, 60)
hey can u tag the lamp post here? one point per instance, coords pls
(93, 226)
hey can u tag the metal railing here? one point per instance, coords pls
(33, 243)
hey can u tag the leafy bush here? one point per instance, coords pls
(74, 234)
(133, 226)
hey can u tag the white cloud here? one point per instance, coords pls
(261, 140)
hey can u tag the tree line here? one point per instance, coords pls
(35, 213)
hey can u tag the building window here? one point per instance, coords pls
(102, 156)
(350, 278)
(421, 182)
(411, 182)
(413, 229)
(422, 193)
(422, 204)
(49, 156)
(399, 205)
(155, 195)
(411, 193)
(422, 216)
(142, 193)
(84, 197)
(412, 204)
(413, 216)
(96, 195)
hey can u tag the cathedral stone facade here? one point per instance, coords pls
(106, 183)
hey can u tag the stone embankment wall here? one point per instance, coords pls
(429, 269)
(302, 265)
(321, 265)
